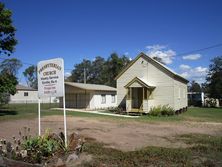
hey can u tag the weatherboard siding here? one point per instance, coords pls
(163, 94)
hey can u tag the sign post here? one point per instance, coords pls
(51, 84)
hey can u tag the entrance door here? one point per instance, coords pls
(137, 98)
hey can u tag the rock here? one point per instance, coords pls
(60, 163)
(72, 157)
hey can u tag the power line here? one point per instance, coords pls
(180, 54)
(30, 64)
(200, 50)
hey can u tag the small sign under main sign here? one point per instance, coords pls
(51, 78)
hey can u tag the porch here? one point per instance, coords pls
(139, 96)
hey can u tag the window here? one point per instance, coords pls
(113, 99)
(26, 94)
(103, 99)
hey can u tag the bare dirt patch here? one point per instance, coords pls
(124, 135)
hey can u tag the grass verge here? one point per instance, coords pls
(204, 151)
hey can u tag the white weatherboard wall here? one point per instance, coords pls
(31, 98)
(166, 86)
(96, 100)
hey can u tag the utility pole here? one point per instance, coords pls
(84, 75)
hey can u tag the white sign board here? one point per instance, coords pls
(51, 78)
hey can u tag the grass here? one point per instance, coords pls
(204, 151)
(19, 111)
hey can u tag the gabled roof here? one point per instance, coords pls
(141, 82)
(22, 87)
(91, 86)
(148, 58)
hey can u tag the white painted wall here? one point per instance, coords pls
(96, 100)
(31, 98)
(166, 85)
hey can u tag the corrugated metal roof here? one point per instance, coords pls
(91, 86)
(22, 87)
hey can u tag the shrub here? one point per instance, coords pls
(162, 110)
(155, 111)
(39, 149)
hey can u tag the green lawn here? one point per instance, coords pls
(18, 111)
(204, 150)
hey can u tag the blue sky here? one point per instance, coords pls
(77, 29)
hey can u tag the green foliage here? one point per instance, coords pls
(99, 71)
(164, 110)
(159, 60)
(7, 31)
(30, 74)
(8, 80)
(10, 66)
(211, 102)
(40, 147)
(214, 79)
(194, 87)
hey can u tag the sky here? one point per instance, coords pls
(83, 29)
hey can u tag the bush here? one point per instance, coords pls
(162, 110)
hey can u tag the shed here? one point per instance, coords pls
(26, 94)
(89, 96)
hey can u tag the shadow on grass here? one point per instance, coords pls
(4, 112)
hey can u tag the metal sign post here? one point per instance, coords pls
(51, 84)
(39, 116)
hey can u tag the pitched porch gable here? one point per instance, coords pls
(137, 82)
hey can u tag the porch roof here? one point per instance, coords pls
(142, 82)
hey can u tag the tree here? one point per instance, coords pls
(10, 66)
(30, 74)
(114, 65)
(7, 31)
(99, 71)
(214, 78)
(194, 87)
(77, 74)
(96, 73)
(159, 59)
(8, 81)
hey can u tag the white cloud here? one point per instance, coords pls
(184, 67)
(192, 57)
(126, 53)
(197, 73)
(161, 51)
(67, 74)
(156, 47)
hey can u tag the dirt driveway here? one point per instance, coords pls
(125, 135)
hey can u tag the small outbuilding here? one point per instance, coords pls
(146, 83)
(26, 94)
(89, 96)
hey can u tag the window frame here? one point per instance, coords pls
(26, 94)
